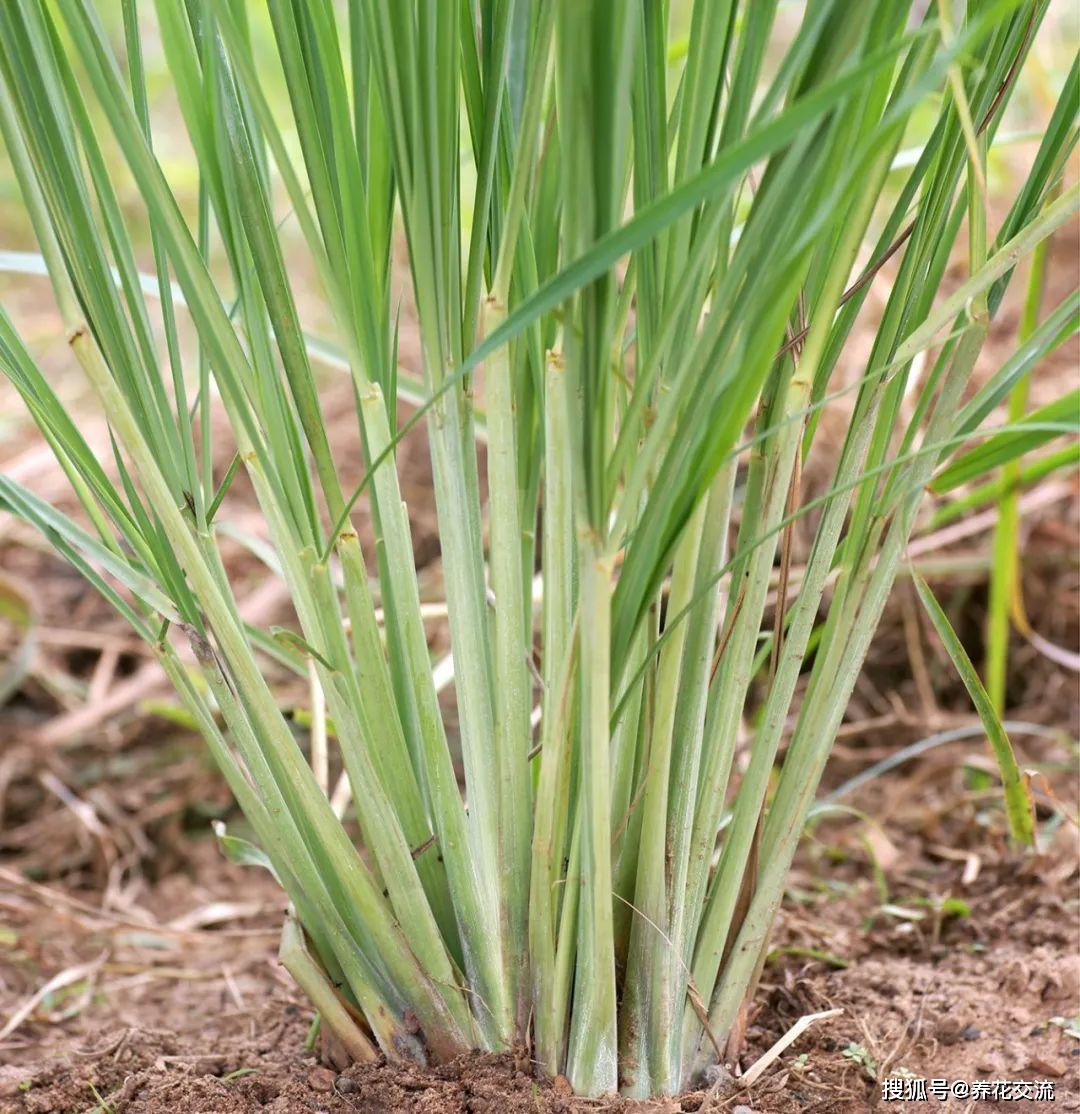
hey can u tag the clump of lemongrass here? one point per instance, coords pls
(643, 248)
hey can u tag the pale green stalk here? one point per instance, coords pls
(557, 728)
(647, 1002)
(285, 846)
(819, 720)
(294, 957)
(267, 722)
(836, 669)
(468, 880)
(513, 649)
(1005, 589)
(592, 1060)
(690, 731)
(727, 884)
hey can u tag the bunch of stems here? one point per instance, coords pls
(637, 252)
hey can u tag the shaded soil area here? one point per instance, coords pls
(961, 966)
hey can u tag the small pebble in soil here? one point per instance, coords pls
(742, 1108)
(970, 1033)
(1048, 1064)
(346, 1086)
(1069, 979)
(322, 1079)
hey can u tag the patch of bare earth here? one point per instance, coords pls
(179, 1005)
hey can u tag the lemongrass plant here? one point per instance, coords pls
(639, 238)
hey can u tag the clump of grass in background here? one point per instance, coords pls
(645, 261)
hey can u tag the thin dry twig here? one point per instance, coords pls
(67, 977)
(749, 1078)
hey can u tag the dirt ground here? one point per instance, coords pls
(138, 969)
(178, 1004)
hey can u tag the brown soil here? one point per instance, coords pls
(175, 1002)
